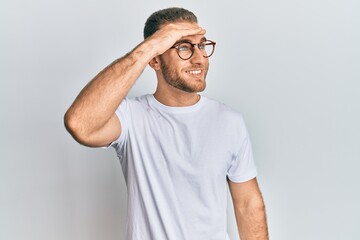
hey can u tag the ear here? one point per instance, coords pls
(155, 63)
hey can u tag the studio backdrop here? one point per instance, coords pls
(290, 67)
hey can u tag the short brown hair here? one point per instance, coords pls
(167, 15)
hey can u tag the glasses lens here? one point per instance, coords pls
(207, 48)
(185, 50)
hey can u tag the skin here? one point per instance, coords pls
(249, 210)
(92, 121)
(176, 86)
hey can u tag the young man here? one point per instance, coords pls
(178, 149)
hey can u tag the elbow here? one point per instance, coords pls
(258, 207)
(253, 206)
(75, 127)
(71, 123)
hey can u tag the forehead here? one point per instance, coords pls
(186, 24)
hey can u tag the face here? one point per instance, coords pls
(186, 75)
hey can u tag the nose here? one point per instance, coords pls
(198, 56)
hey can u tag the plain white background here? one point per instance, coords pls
(291, 68)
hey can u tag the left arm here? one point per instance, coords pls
(249, 210)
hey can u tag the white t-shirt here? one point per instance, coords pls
(176, 161)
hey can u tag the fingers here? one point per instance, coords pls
(184, 30)
(168, 34)
(195, 31)
(199, 31)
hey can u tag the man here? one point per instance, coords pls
(178, 149)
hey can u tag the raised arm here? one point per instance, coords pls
(91, 119)
(249, 210)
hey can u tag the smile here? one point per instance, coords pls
(194, 72)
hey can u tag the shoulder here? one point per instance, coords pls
(231, 120)
(222, 110)
(138, 101)
(228, 121)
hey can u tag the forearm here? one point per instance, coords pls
(98, 100)
(91, 119)
(251, 220)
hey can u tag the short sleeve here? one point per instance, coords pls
(242, 167)
(122, 112)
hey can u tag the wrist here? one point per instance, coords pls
(145, 51)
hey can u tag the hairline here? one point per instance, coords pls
(160, 18)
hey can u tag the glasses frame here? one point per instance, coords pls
(207, 43)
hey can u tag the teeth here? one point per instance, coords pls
(195, 72)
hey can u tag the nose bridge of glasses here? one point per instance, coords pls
(198, 47)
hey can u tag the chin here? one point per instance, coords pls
(193, 89)
(201, 88)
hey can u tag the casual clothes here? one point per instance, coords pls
(176, 161)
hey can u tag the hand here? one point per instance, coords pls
(167, 35)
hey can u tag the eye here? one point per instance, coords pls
(202, 46)
(183, 47)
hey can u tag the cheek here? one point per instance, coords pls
(176, 67)
(173, 64)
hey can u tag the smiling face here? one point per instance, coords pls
(186, 75)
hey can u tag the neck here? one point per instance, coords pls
(176, 98)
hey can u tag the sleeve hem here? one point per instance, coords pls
(119, 139)
(240, 179)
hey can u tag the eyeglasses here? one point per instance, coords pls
(186, 49)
